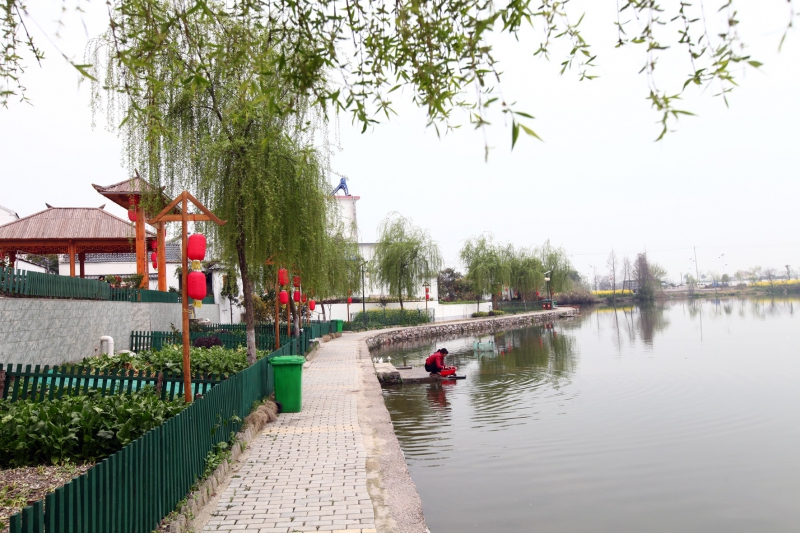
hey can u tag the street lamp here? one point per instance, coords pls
(547, 280)
(427, 286)
(363, 301)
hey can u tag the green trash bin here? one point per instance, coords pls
(339, 326)
(289, 381)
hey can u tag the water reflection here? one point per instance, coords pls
(621, 420)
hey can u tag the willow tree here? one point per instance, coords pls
(196, 117)
(555, 261)
(488, 265)
(405, 257)
(526, 272)
(441, 50)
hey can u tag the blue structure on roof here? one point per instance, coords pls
(342, 186)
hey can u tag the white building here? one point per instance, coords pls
(7, 215)
(122, 265)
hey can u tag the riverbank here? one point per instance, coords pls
(337, 465)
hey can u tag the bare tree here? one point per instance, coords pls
(771, 276)
(612, 267)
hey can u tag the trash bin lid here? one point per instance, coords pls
(287, 360)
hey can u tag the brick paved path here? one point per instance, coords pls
(307, 472)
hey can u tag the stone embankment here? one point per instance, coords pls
(468, 327)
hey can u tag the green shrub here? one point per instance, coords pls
(377, 318)
(497, 312)
(479, 314)
(86, 427)
(213, 360)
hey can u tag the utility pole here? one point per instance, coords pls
(696, 270)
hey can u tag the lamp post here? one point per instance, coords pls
(427, 286)
(547, 280)
(363, 301)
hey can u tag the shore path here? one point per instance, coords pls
(307, 471)
(334, 467)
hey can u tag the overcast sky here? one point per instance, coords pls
(725, 181)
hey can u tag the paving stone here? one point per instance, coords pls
(310, 466)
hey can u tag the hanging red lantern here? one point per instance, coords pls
(349, 300)
(283, 276)
(297, 281)
(196, 247)
(131, 215)
(154, 259)
(427, 289)
(196, 285)
(312, 304)
(153, 245)
(304, 298)
(427, 296)
(296, 296)
(283, 297)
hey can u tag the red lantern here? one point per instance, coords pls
(312, 304)
(296, 296)
(427, 289)
(427, 296)
(196, 247)
(297, 281)
(283, 276)
(153, 245)
(284, 297)
(154, 259)
(304, 298)
(349, 300)
(131, 215)
(196, 285)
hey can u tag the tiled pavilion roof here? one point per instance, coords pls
(51, 230)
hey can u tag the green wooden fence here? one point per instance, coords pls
(132, 490)
(41, 384)
(37, 284)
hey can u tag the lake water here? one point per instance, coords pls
(684, 417)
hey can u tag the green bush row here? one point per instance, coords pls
(375, 318)
(86, 427)
(481, 314)
(214, 360)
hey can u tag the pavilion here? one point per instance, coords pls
(73, 231)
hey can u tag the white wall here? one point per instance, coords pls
(21, 264)
(7, 215)
(442, 312)
(119, 269)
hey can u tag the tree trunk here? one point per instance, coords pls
(400, 291)
(324, 314)
(249, 315)
(295, 317)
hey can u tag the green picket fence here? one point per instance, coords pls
(37, 284)
(132, 490)
(41, 384)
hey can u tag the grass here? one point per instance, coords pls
(603, 294)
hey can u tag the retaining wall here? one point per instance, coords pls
(478, 325)
(52, 332)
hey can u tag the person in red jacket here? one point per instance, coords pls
(435, 363)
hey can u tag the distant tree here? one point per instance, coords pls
(526, 273)
(613, 265)
(453, 286)
(555, 260)
(230, 288)
(771, 275)
(788, 273)
(405, 257)
(754, 274)
(488, 265)
(648, 277)
(726, 279)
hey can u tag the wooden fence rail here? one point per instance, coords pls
(39, 384)
(132, 490)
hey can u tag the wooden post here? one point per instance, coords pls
(71, 259)
(289, 319)
(141, 246)
(82, 260)
(161, 231)
(187, 373)
(184, 198)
